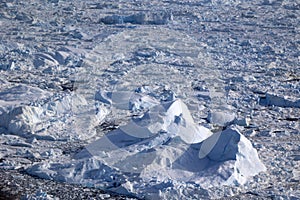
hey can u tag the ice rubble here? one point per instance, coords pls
(163, 148)
(39, 195)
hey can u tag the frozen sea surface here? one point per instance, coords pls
(73, 74)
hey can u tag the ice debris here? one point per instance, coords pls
(162, 149)
(39, 195)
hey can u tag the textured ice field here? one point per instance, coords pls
(152, 99)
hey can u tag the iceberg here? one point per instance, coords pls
(162, 148)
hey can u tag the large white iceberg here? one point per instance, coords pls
(163, 146)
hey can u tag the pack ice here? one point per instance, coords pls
(160, 154)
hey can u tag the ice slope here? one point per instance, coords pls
(164, 146)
